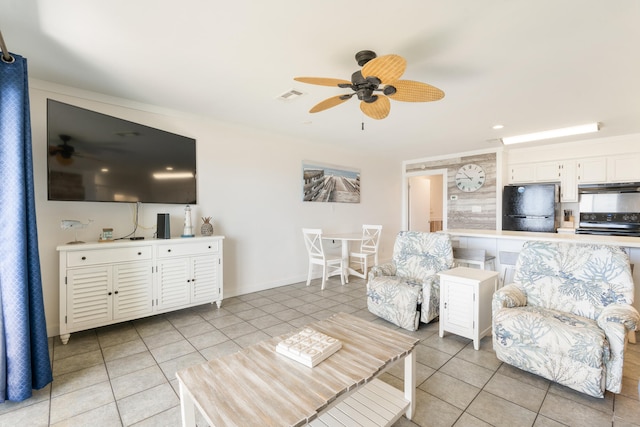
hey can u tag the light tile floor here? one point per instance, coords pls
(124, 375)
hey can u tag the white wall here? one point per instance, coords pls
(249, 181)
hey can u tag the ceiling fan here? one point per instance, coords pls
(63, 152)
(378, 81)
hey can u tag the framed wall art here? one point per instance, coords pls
(330, 183)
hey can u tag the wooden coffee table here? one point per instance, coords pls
(257, 386)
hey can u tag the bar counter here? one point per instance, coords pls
(627, 242)
(496, 241)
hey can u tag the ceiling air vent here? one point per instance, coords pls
(290, 95)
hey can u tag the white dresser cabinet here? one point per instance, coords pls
(189, 273)
(465, 302)
(106, 283)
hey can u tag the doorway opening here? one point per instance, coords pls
(426, 201)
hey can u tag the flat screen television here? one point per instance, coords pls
(94, 157)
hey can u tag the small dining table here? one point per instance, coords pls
(345, 239)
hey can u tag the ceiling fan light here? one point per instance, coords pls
(555, 133)
(389, 90)
(373, 80)
(365, 94)
(357, 78)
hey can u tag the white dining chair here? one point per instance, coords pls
(368, 250)
(507, 265)
(478, 257)
(331, 263)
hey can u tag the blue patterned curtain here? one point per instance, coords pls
(24, 350)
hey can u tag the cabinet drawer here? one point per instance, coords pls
(187, 249)
(104, 256)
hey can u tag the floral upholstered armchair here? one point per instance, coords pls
(407, 289)
(567, 314)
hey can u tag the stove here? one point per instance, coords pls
(610, 209)
(610, 224)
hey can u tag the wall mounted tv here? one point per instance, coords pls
(94, 157)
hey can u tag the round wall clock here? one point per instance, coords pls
(470, 177)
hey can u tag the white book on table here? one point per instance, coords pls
(308, 347)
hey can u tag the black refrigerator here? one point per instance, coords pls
(531, 207)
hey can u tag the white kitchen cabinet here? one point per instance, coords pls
(547, 171)
(624, 168)
(188, 274)
(521, 173)
(556, 171)
(535, 172)
(106, 283)
(568, 181)
(465, 302)
(592, 170)
(571, 172)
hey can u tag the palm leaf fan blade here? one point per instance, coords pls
(376, 110)
(387, 68)
(328, 103)
(410, 91)
(322, 81)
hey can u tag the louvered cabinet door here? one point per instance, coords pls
(465, 302)
(205, 282)
(458, 307)
(189, 272)
(173, 283)
(89, 297)
(132, 290)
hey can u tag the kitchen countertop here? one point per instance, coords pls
(629, 242)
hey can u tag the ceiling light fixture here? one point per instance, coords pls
(496, 127)
(556, 133)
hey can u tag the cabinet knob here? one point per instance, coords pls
(188, 280)
(139, 253)
(168, 250)
(116, 292)
(209, 246)
(109, 293)
(83, 258)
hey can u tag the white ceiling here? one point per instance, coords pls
(530, 65)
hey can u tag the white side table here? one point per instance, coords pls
(465, 302)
